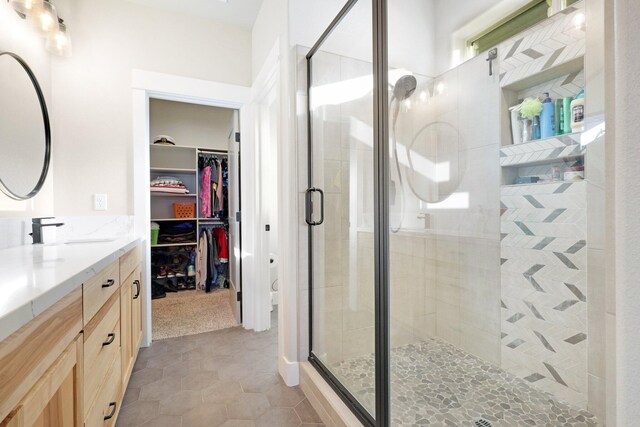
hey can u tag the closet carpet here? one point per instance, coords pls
(191, 312)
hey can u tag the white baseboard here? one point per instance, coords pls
(290, 371)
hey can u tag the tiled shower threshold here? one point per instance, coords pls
(437, 384)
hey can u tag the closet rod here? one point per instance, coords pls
(211, 150)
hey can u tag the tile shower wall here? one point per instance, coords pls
(543, 287)
(554, 41)
(444, 279)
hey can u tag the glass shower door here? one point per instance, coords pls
(340, 208)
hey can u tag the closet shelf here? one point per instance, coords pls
(166, 245)
(173, 170)
(174, 219)
(172, 195)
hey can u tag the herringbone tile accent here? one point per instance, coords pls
(543, 286)
(553, 42)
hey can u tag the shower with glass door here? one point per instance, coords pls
(447, 257)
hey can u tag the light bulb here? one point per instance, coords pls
(24, 8)
(59, 41)
(45, 17)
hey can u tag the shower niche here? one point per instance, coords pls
(543, 216)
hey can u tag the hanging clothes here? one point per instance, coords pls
(201, 262)
(219, 191)
(213, 184)
(221, 240)
(205, 194)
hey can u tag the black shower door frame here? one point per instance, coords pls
(381, 220)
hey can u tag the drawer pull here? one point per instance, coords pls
(137, 283)
(112, 405)
(110, 339)
(109, 283)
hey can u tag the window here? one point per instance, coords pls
(518, 21)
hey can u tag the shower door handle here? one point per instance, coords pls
(309, 206)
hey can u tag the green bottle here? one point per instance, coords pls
(566, 114)
(558, 116)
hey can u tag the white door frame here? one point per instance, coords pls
(147, 85)
(277, 72)
(263, 92)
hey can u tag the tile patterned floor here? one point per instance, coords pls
(436, 384)
(223, 378)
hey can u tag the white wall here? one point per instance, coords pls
(627, 205)
(411, 26)
(452, 17)
(271, 25)
(92, 99)
(16, 35)
(191, 124)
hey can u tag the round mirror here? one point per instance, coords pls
(25, 134)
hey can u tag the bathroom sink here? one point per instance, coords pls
(79, 241)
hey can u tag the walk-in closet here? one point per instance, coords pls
(194, 198)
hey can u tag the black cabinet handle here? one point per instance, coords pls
(109, 283)
(110, 338)
(137, 283)
(112, 405)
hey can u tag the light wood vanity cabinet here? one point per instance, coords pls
(130, 309)
(70, 365)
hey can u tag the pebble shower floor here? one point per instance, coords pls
(436, 384)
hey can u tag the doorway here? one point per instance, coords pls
(194, 196)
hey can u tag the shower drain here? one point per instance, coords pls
(482, 423)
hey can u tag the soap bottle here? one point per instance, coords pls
(577, 112)
(566, 114)
(558, 117)
(548, 118)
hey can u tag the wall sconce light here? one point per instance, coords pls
(59, 41)
(43, 16)
(25, 8)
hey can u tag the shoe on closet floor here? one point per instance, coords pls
(182, 286)
(170, 287)
(157, 291)
(162, 274)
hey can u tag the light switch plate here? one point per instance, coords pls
(99, 202)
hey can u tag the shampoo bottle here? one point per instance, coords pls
(566, 114)
(559, 123)
(548, 118)
(577, 112)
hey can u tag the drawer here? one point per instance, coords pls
(101, 346)
(97, 290)
(107, 402)
(130, 261)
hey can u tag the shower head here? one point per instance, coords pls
(404, 88)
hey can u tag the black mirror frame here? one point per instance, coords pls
(47, 131)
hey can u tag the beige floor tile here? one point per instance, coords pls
(281, 417)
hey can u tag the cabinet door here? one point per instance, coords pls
(126, 340)
(136, 310)
(56, 399)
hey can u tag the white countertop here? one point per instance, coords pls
(34, 277)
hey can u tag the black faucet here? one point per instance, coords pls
(36, 229)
